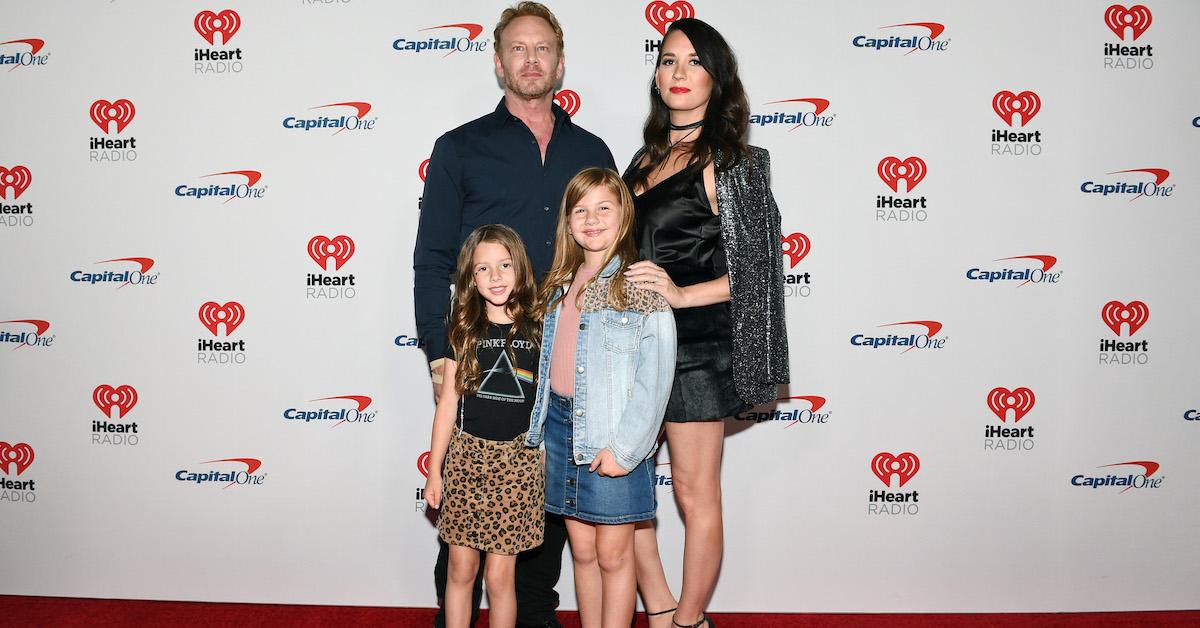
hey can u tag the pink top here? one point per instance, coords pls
(562, 356)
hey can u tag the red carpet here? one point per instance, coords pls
(21, 611)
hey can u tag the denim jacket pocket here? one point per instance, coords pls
(622, 331)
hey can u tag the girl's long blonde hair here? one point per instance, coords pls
(468, 315)
(568, 255)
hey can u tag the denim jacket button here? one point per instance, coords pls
(579, 412)
(579, 369)
(583, 326)
(624, 320)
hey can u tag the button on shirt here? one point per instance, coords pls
(487, 171)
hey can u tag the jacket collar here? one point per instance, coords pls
(611, 268)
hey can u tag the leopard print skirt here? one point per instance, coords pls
(493, 495)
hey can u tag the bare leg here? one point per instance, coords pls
(696, 475)
(589, 587)
(460, 580)
(614, 553)
(652, 581)
(499, 575)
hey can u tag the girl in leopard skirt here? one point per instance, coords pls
(488, 486)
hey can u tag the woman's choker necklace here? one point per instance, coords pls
(683, 127)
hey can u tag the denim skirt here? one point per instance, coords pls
(573, 491)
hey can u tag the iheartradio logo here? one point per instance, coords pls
(18, 456)
(123, 398)
(423, 169)
(904, 466)
(1020, 401)
(1007, 104)
(338, 249)
(660, 14)
(121, 112)
(568, 99)
(18, 178)
(423, 464)
(1136, 18)
(796, 247)
(231, 315)
(892, 170)
(1134, 314)
(208, 24)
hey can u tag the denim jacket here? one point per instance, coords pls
(624, 368)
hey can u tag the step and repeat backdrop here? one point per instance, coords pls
(213, 390)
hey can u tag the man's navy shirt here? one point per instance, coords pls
(490, 171)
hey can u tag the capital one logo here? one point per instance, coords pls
(18, 178)
(796, 247)
(338, 249)
(1143, 480)
(1001, 400)
(660, 14)
(37, 338)
(24, 59)
(239, 477)
(800, 119)
(120, 112)
(423, 464)
(357, 413)
(123, 398)
(928, 42)
(452, 44)
(904, 466)
(230, 315)
(340, 121)
(208, 24)
(892, 170)
(1132, 315)
(569, 101)
(1007, 104)
(1136, 19)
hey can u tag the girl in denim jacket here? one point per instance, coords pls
(605, 373)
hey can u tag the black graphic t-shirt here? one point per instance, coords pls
(500, 409)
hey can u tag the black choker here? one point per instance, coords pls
(695, 125)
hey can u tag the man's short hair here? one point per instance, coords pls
(522, 9)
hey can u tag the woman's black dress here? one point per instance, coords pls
(677, 229)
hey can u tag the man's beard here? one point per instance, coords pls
(533, 89)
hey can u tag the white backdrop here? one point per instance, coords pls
(325, 511)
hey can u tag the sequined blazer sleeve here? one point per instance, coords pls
(750, 227)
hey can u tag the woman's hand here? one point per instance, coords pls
(433, 490)
(651, 276)
(606, 465)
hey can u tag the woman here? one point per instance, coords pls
(709, 236)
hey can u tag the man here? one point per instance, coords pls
(509, 167)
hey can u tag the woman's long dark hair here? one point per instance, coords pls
(726, 119)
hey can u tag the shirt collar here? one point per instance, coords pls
(503, 115)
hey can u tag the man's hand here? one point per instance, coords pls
(435, 373)
(606, 465)
(433, 490)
